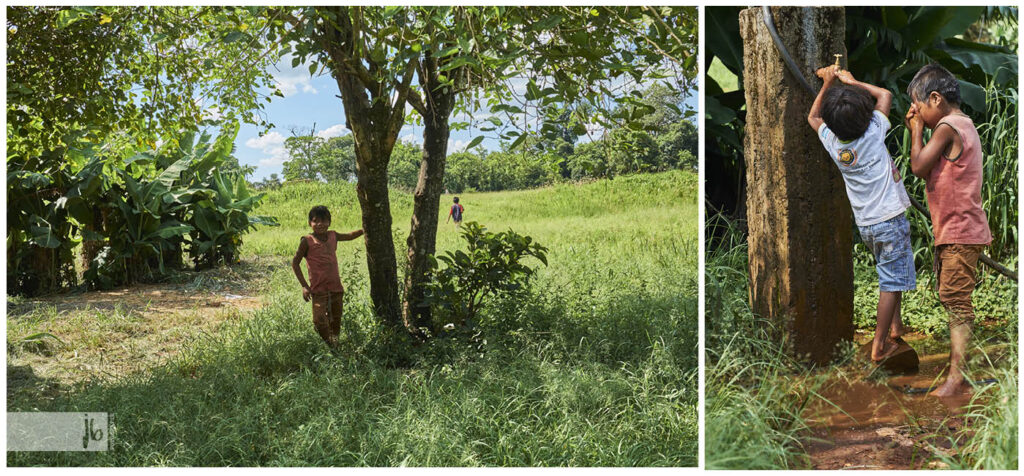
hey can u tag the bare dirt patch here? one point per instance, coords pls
(56, 341)
(881, 424)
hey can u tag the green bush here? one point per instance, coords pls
(490, 266)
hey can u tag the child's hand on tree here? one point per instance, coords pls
(305, 294)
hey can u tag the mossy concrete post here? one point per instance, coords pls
(798, 216)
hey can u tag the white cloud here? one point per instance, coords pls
(457, 146)
(336, 130)
(410, 137)
(271, 144)
(277, 157)
(267, 142)
(291, 80)
(290, 85)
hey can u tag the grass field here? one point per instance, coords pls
(596, 366)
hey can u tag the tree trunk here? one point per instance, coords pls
(91, 248)
(372, 190)
(799, 219)
(426, 200)
(375, 122)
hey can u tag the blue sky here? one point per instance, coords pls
(313, 100)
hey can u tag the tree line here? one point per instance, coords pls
(666, 139)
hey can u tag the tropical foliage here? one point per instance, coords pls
(88, 88)
(887, 46)
(135, 219)
(489, 266)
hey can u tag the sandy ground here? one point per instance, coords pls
(104, 334)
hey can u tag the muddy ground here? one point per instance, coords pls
(55, 342)
(871, 421)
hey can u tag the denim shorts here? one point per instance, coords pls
(889, 242)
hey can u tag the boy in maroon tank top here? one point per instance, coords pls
(319, 249)
(951, 165)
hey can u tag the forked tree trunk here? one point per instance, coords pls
(375, 121)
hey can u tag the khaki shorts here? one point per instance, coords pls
(956, 267)
(327, 315)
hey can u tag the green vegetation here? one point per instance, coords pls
(752, 416)
(134, 218)
(756, 394)
(91, 89)
(489, 268)
(666, 139)
(595, 365)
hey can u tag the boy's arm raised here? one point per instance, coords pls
(827, 74)
(299, 254)
(883, 98)
(923, 157)
(349, 236)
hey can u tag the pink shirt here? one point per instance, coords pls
(954, 190)
(322, 264)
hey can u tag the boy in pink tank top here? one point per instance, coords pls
(950, 163)
(320, 251)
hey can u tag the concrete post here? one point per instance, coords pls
(798, 217)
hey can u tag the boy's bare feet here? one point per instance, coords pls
(887, 349)
(950, 388)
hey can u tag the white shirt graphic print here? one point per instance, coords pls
(873, 183)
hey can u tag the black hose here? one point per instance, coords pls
(793, 68)
(795, 71)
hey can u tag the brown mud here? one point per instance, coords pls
(58, 341)
(873, 422)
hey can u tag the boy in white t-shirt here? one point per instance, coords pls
(851, 121)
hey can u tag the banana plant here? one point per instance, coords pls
(222, 218)
(39, 234)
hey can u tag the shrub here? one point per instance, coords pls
(490, 266)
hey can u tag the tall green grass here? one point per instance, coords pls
(753, 409)
(597, 367)
(993, 419)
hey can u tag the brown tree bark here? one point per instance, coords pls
(436, 108)
(800, 227)
(375, 118)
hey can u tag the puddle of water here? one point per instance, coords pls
(858, 404)
(869, 422)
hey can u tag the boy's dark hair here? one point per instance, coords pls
(456, 199)
(847, 111)
(320, 212)
(934, 78)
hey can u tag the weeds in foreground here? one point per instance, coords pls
(753, 417)
(992, 413)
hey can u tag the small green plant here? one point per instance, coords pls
(490, 266)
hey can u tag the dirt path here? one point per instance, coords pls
(54, 342)
(874, 424)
